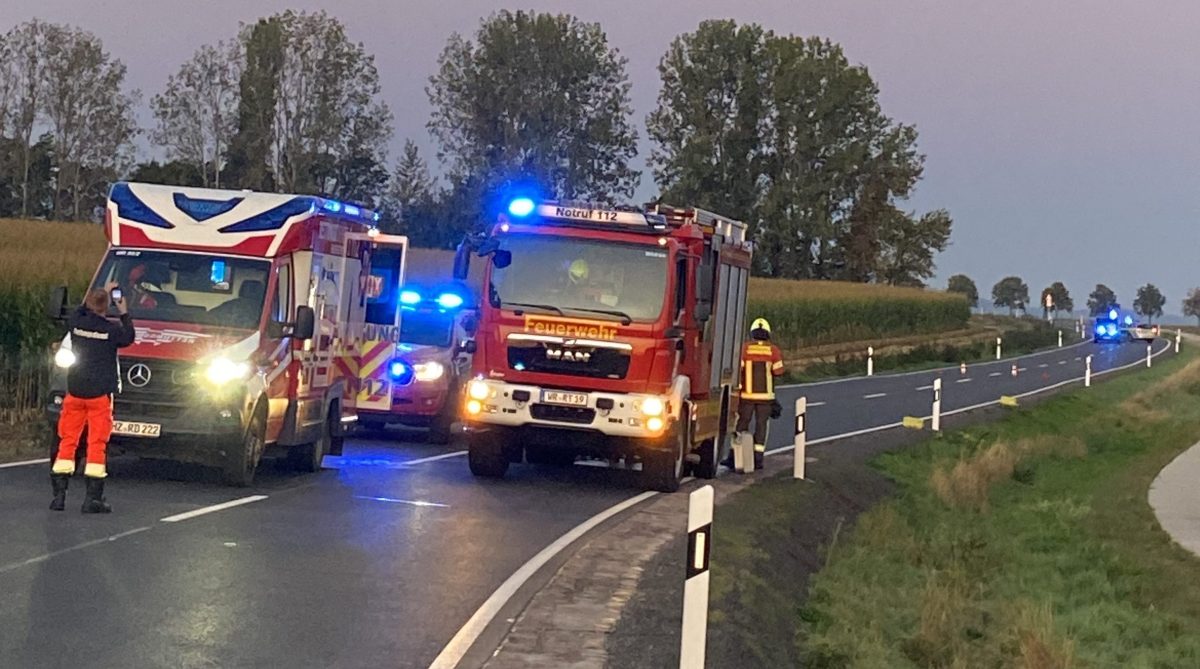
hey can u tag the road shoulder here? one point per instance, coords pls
(1175, 498)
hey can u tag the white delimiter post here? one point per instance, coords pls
(997, 348)
(1087, 372)
(695, 585)
(1148, 356)
(801, 437)
(936, 420)
(1060, 338)
(870, 361)
(1178, 336)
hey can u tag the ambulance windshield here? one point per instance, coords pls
(426, 328)
(188, 288)
(581, 278)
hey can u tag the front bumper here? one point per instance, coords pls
(621, 416)
(210, 419)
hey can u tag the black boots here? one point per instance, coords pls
(94, 502)
(59, 483)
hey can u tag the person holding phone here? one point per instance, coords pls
(91, 382)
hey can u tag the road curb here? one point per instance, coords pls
(1175, 499)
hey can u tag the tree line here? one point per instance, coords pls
(1012, 293)
(779, 130)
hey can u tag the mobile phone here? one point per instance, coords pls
(116, 295)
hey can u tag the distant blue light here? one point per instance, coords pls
(1112, 329)
(520, 366)
(1100, 329)
(400, 371)
(521, 207)
(1129, 320)
(353, 210)
(333, 205)
(1113, 314)
(409, 297)
(449, 301)
(375, 216)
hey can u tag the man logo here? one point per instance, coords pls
(568, 356)
(139, 375)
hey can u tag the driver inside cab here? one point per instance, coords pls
(588, 290)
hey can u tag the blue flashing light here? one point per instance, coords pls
(1112, 329)
(1129, 320)
(375, 217)
(1100, 329)
(400, 371)
(352, 210)
(333, 205)
(410, 297)
(1112, 313)
(449, 301)
(521, 207)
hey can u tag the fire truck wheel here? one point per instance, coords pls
(242, 459)
(486, 456)
(664, 468)
(309, 457)
(709, 460)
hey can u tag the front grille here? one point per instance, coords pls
(578, 415)
(549, 358)
(146, 410)
(170, 380)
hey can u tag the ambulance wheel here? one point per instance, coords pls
(310, 457)
(663, 469)
(486, 456)
(439, 428)
(242, 459)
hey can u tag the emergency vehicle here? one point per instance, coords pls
(249, 309)
(428, 359)
(1108, 328)
(612, 333)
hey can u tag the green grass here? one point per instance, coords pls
(1014, 545)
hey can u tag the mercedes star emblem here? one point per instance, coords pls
(139, 375)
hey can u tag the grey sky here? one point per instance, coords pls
(1061, 135)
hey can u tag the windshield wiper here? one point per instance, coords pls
(547, 307)
(626, 319)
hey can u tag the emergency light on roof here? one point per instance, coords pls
(449, 301)
(1112, 313)
(409, 297)
(590, 214)
(520, 207)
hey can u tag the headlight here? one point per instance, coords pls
(429, 371)
(223, 370)
(478, 390)
(652, 406)
(64, 358)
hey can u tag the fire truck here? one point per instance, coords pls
(249, 310)
(608, 333)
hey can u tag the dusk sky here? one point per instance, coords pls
(1061, 135)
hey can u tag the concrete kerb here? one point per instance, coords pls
(1174, 495)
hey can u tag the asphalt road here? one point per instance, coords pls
(375, 562)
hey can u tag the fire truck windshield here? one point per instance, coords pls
(188, 288)
(426, 328)
(609, 280)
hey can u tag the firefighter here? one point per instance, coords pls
(91, 382)
(761, 364)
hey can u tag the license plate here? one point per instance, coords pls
(131, 429)
(560, 397)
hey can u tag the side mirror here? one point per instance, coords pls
(502, 258)
(468, 346)
(703, 312)
(462, 261)
(306, 323)
(470, 324)
(56, 307)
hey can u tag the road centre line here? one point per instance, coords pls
(434, 458)
(815, 404)
(211, 509)
(77, 547)
(24, 463)
(1043, 366)
(873, 396)
(929, 387)
(963, 380)
(996, 374)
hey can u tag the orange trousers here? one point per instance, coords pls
(96, 414)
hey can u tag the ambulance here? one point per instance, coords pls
(250, 315)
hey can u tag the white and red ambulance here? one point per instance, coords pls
(249, 309)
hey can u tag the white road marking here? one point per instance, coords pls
(1043, 366)
(874, 396)
(815, 404)
(962, 381)
(214, 508)
(1022, 369)
(63, 551)
(435, 458)
(25, 463)
(929, 387)
(413, 502)
(1078, 357)
(1062, 362)
(996, 374)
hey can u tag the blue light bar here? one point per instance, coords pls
(410, 297)
(449, 301)
(1112, 313)
(521, 207)
(352, 210)
(332, 205)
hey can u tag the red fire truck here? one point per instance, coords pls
(249, 309)
(612, 333)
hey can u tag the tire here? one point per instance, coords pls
(553, 457)
(242, 460)
(709, 460)
(308, 458)
(486, 456)
(663, 469)
(439, 429)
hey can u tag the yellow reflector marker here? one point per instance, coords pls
(914, 422)
(1008, 401)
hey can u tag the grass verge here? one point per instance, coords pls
(1015, 544)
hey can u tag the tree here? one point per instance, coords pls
(1101, 300)
(538, 100)
(410, 206)
(1011, 292)
(22, 71)
(1060, 299)
(197, 113)
(172, 173)
(908, 246)
(1191, 304)
(1149, 302)
(961, 283)
(250, 148)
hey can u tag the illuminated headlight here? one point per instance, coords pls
(474, 407)
(64, 358)
(478, 390)
(652, 406)
(429, 371)
(654, 424)
(223, 370)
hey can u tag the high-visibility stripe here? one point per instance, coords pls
(95, 470)
(760, 448)
(63, 466)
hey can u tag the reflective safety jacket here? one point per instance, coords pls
(761, 363)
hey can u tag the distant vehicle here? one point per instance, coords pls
(1108, 329)
(1144, 332)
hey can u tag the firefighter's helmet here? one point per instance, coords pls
(760, 329)
(578, 271)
